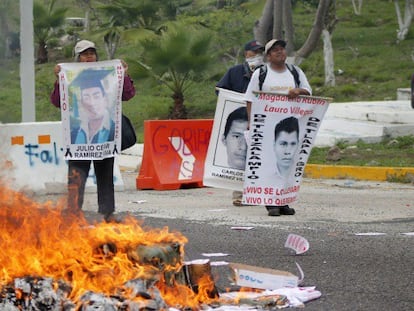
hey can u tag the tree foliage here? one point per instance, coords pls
(175, 58)
(404, 22)
(45, 20)
(131, 14)
(276, 22)
(8, 35)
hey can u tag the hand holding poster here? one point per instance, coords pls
(282, 132)
(91, 96)
(226, 154)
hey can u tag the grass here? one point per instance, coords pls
(391, 152)
(373, 65)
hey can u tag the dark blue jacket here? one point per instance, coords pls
(236, 79)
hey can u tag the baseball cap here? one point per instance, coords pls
(253, 45)
(83, 45)
(274, 42)
(89, 78)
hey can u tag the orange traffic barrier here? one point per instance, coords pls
(174, 154)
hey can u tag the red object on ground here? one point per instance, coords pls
(174, 154)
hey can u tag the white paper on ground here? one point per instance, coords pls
(214, 254)
(299, 244)
(297, 296)
(218, 210)
(301, 273)
(219, 263)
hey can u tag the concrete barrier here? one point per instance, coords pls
(33, 159)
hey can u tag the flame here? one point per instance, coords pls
(180, 296)
(42, 239)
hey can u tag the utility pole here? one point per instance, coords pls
(27, 70)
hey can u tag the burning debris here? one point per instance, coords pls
(40, 294)
(52, 260)
(37, 294)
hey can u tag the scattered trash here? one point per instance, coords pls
(195, 271)
(214, 254)
(138, 201)
(295, 297)
(349, 183)
(241, 228)
(256, 301)
(299, 244)
(219, 263)
(263, 278)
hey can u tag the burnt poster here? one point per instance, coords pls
(91, 110)
(226, 155)
(281, 136)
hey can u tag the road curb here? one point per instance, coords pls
(131, 161)
(359, 172)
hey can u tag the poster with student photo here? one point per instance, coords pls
(282, 132)
(91, 109)
(226, 154)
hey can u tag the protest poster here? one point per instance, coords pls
(281, 136)
(226, 155)
(91, 109)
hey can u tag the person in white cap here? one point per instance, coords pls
(278, 77)
(78, 170)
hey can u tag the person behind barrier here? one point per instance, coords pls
(237, 78)
(78, 170)
(233, 138)
(279, 78)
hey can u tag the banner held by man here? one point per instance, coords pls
(281, 137)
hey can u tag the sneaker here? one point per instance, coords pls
(286, 210)
(237, 202)
(273, 211)
(111, 217)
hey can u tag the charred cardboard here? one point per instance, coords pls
(262, 278)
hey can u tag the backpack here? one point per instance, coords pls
(291, 68)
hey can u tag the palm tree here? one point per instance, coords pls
(176, 58)
(130, 14)
(45, 20)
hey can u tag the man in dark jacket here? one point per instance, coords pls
(237, 79)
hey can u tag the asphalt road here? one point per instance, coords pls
(353, 268)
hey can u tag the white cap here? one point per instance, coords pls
(273, 42)
(83, 45)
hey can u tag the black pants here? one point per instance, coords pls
(77, 175)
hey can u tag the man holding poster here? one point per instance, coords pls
(276, 78)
